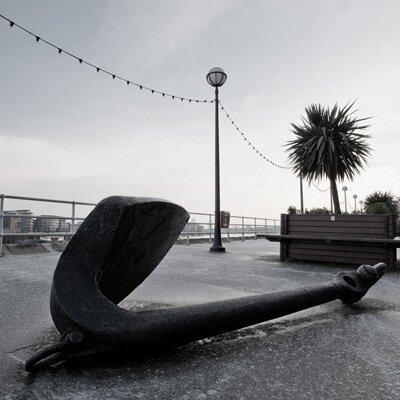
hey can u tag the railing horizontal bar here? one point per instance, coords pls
(41, 217)
(6, 196)
(197, 213)
(222, 233)
(258, 218)
(36, 234)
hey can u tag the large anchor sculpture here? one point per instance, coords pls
(116, 248)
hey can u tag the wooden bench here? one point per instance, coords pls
(346, 239)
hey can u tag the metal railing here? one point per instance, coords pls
(241, 227)
(35, 234)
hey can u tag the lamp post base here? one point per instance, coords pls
(218, 248)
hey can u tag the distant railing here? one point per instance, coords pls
(241, 227)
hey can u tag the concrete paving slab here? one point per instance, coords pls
(331, 351)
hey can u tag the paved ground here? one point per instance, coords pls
(331, 351)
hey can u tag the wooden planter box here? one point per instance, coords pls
(344, 239)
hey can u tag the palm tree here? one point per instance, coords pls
(329, 144)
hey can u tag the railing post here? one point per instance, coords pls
(266, 226)
(210, 227)
(274, 225)
(188, 233)
(72, 229)
(242, 229)
(255, 228)
(1, 223)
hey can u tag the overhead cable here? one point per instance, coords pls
(140, 86)
(99, 69)
(244, 137)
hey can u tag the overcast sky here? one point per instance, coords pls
(68, 132)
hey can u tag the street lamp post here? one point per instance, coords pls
(344, 188)
(216, 77)
(355, 202)
(301, 195)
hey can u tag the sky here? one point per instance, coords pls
(68, 132)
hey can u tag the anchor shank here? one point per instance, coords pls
(177, 326)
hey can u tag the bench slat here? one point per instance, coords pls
(327, 239)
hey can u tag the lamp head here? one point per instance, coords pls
(344, 188)
(216, 77)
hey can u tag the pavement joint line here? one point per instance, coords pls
(16, 358)
(19, 348)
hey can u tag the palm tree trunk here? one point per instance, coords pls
(335, 196)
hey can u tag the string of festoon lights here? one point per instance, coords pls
(254, 148)
(142, 87)
(321, 190)
(102, 70)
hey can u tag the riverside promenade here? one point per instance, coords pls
(332, 351)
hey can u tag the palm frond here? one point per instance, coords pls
(329, 143)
